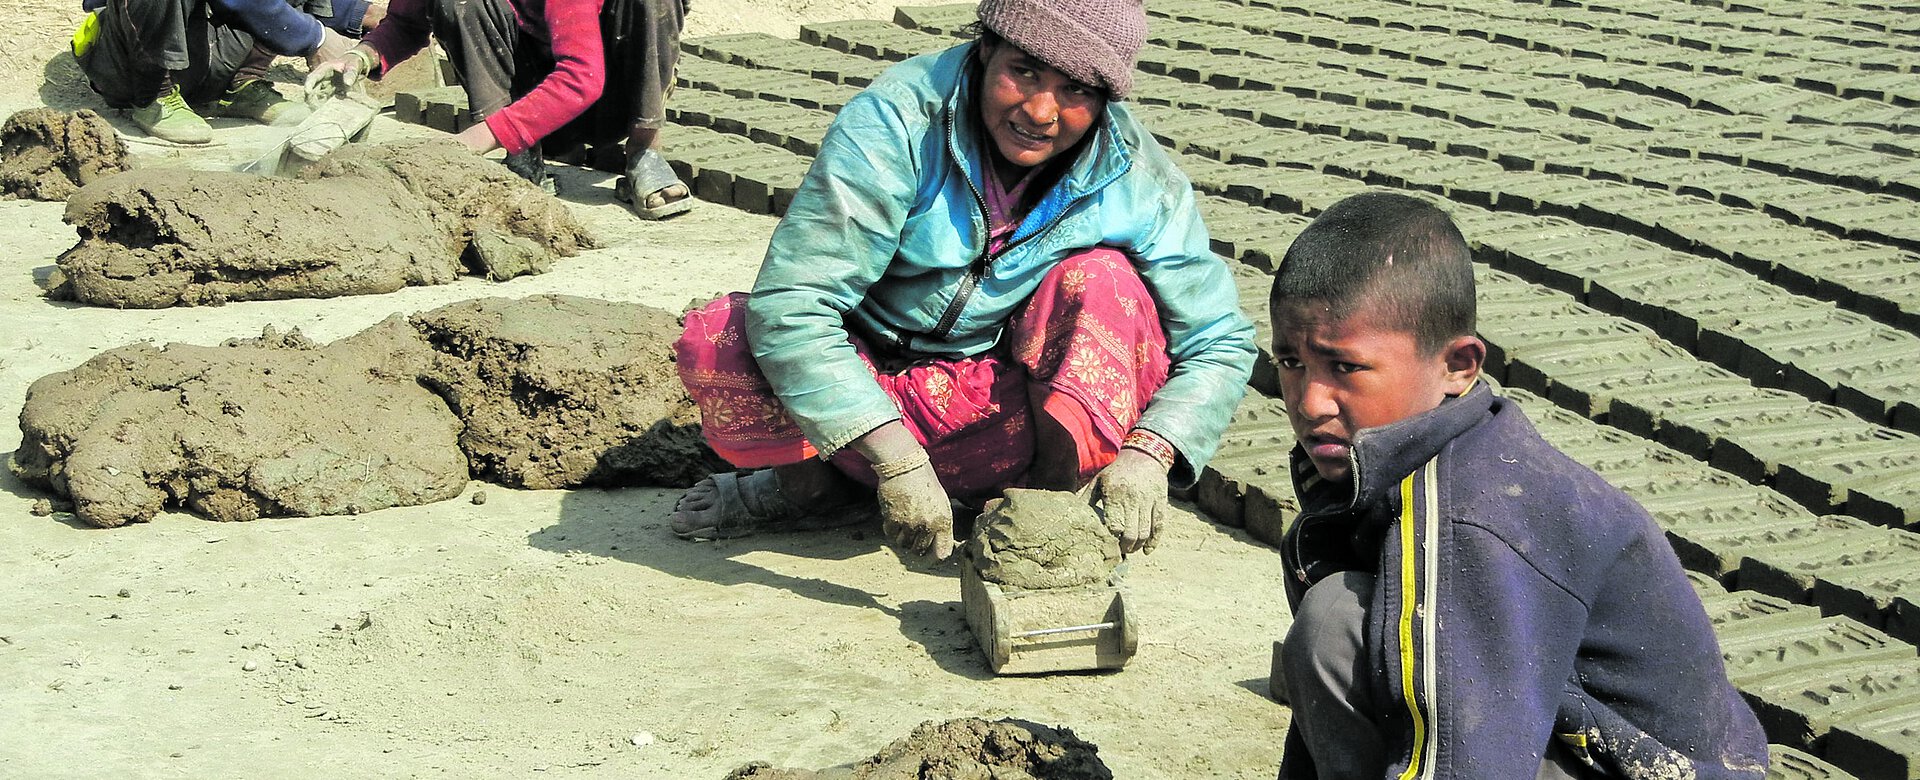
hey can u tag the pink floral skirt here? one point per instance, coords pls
(1087, 348)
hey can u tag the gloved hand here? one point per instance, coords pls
(1132, 491)
(337, 74)
(914, 510)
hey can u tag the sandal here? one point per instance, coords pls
(746, 504)
(647, 175)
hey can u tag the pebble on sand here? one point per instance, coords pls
(41, 507)
(479, 497)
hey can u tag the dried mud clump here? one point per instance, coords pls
(272, 426)
(964, 749)
(48, 155)
(1043, 539)
(545, 392)
(558, 391)
(363, 220)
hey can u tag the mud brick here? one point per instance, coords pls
(1757, 439)
(411, 106)
(1882, 744)
(1585, 392)
(1739, 612)
(1796, 647)
(1804, 711)
(1664, 403)
(1713, 530)
(1541, 368)
(1880, 593)
(1692, 411)
(1224, 489)
(945, 19)
(1787, 564)
(1890, 499)
(1788, 763)
(1270, 508)
(447, 114)
(1848, 459)
(1680, 296)
(758, 174)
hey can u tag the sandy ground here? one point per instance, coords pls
(540, 633)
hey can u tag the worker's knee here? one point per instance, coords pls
(1325, 649)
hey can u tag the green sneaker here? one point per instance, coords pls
(257, 100)
(169, 119)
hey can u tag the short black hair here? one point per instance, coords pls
(1398, 255)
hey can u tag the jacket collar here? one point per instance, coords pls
(1102, 158)
(1382, 457)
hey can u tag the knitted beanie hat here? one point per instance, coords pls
(1094, 42)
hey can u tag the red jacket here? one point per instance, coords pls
(570, 30)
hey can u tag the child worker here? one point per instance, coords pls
(1468, 601)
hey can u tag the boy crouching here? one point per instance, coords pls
(1469, 602)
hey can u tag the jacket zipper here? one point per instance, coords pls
(951, 316)
(975, 270)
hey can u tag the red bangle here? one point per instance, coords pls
(1150, 443)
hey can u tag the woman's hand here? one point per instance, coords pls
(1133, 493)
(914, 510)
(478, 138)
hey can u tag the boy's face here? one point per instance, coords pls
(1339, 375)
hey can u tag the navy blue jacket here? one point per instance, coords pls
(1520, 598)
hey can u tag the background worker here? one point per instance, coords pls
(160, 58)
(549, 75)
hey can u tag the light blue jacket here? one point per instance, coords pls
(886, 238)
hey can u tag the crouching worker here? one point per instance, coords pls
(548, 75)
(160, 58)
(1468, 601)
(991, 276)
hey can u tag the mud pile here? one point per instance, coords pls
(558, 391)
(1043, 539)
(964, 749)
(366, 219)
(550, 391)
(48, 155)
(271, 426)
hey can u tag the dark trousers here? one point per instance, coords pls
(498, 63)
(144, 45)
(1328, 675)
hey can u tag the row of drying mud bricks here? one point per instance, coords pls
(1826, 66)
(1767, 84)
(1702, 29)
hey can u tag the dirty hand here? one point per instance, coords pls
(337, 74)
(1133, 493)
(914, 510)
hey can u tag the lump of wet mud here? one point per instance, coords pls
(559, 391)
(363, 220)
(1043, 539)
(263, 427)
(46, 154)
(964, 749)
(470, 197)
(545, 392)
(153, 238)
